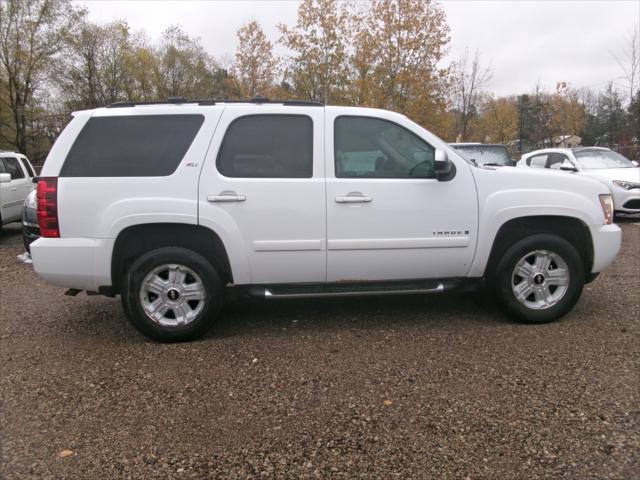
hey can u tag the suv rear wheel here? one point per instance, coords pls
(172, 294)
(540, 278)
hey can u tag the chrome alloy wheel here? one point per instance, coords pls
(172, 295)
(540, 279)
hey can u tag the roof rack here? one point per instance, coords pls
(258, 100)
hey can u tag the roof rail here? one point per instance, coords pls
(258, 100)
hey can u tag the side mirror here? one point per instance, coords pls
(5, 177)
(567, 166)
(444, 169)
(635, 163)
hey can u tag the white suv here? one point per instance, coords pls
(16, 183)
(170, 205)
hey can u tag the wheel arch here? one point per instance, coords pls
(572, 229)
(135, 240)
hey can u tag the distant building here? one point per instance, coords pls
(567, 141)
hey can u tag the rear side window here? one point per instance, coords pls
(539, 161)
(12, 167)
(132, 146)
(28, 167)
(268, 146)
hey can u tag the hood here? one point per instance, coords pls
(626, 174)
(538, 178)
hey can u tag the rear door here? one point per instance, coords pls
(14, 192)
(262, 188)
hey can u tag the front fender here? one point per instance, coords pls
(501, 207)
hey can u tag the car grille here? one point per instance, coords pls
(632, 204)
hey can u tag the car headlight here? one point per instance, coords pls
(626, 185)
(606, 201)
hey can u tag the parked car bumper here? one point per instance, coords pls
(30, 228)
(606, 245)
(626, 201)
(82, 263)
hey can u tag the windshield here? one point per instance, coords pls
(600, 159)
(486, 154)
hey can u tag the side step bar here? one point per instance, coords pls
(353, 289)
(356, 293)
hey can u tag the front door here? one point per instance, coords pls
(262, 188)
(388, 217)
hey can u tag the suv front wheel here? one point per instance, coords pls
(540, 278)
(172, 294)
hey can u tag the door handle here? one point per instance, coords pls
(13, 189)
(354, 197)
(226, 197)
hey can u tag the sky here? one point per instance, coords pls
(524, 42)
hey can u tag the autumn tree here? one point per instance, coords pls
(142, 65)
(183, 68)
(568, 113)
(255, 66)
(96, 68)
(397, 47)
(468, 78)
(499, 120)
(32, 34)
(317, 67)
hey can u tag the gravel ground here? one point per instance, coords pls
(405, 387)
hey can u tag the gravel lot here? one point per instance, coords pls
(405, 387)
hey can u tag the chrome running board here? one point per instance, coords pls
(356, 293)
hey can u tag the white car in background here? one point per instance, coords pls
(16, 183)
(620, 174)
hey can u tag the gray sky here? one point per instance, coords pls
(524, 41)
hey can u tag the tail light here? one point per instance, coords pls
(48, 207)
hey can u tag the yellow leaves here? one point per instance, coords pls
(65, 453)
(498, 122)
(318, 67)
(398, 44)
(255, 67)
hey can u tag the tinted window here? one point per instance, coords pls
(12, 167)
(268, 146)
(374, 148)
(28, 167)
(539, 161)
(136, 146)
(555, 160)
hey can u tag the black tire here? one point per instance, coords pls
(147, 263)
(503, 278)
